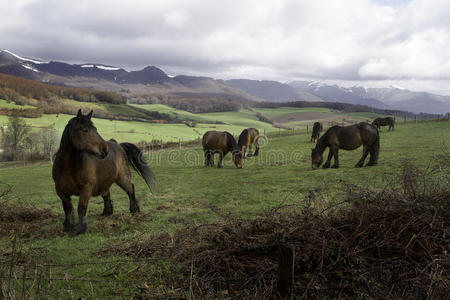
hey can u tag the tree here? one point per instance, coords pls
(14, 137)
(49, 139)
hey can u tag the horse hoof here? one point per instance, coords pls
(325, 166)
(250, 155)
(335, 167)
(358, 165)
(79, 229)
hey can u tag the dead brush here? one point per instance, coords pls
(387, 243)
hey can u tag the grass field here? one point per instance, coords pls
(13, 105)
(190, 193)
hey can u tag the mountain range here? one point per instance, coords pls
(152, 81)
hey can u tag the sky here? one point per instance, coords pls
(348, 42)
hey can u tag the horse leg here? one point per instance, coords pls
(69, 221)
(207, 158)
(250, 150)
(336, 159)
(244, 152)
(82, 209)
(124, 181)
(108, 206)
(327, 163)
(363, 157)
(220, 160)
(211, 159)
(256, 148)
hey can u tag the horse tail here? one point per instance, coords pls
(136, 160)
(375, 150)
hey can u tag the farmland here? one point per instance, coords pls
(187, 193)
(234, 122)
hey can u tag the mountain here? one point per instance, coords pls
(334, 93)
(272, 91)
(154, 82)
(148, 81)
(392, 97)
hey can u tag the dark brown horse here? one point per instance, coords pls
(86, 165)
(347, 138)
(378, 122)
(248, 138)
(221, 143)
(317, 129)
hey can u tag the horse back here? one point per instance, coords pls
(215, 140)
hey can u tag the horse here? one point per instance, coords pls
(347, 138)
(378, 122)
(86, 165)
(248, 137)
(221, 143)
(317, 129)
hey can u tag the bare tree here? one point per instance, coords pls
(14, 137)
(49, 139)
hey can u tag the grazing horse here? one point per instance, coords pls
(378, 122)
(347, 138)
(222, 143)
(317, 129)
(86, 165)
(248, 137)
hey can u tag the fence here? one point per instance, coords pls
(24, 279)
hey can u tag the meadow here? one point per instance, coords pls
(187, 193)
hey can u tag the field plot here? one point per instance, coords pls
(187, 194)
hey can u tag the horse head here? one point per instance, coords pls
(316, 159)
(237, 158)
(84, 136)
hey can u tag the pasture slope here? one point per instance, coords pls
(187, 193)
(234, 122)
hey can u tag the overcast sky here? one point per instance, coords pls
(365, 42)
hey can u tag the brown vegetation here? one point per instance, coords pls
(390, 243)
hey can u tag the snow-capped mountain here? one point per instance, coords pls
(393, 97)
(154, 81)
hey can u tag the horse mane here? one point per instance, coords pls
(231, 142)
(321, 143)
(243, 138)
(65, 138)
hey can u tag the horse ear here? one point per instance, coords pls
(79, 114)
(89, 115)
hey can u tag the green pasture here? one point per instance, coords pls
(188, 193)
(13, 105)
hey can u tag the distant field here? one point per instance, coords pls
(234, 122)
(189, 193)
(11, 104)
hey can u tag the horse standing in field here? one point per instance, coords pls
(86, 165)
(221, 143)
(317, 129)
(347, 138)
(378, 122)
(248, 138)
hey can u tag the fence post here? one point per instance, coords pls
(285, 279)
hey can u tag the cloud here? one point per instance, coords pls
(358, 40)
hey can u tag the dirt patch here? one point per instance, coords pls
(24, 220)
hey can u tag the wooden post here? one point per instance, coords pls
(285, 279)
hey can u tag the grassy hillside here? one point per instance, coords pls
(187, 193)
